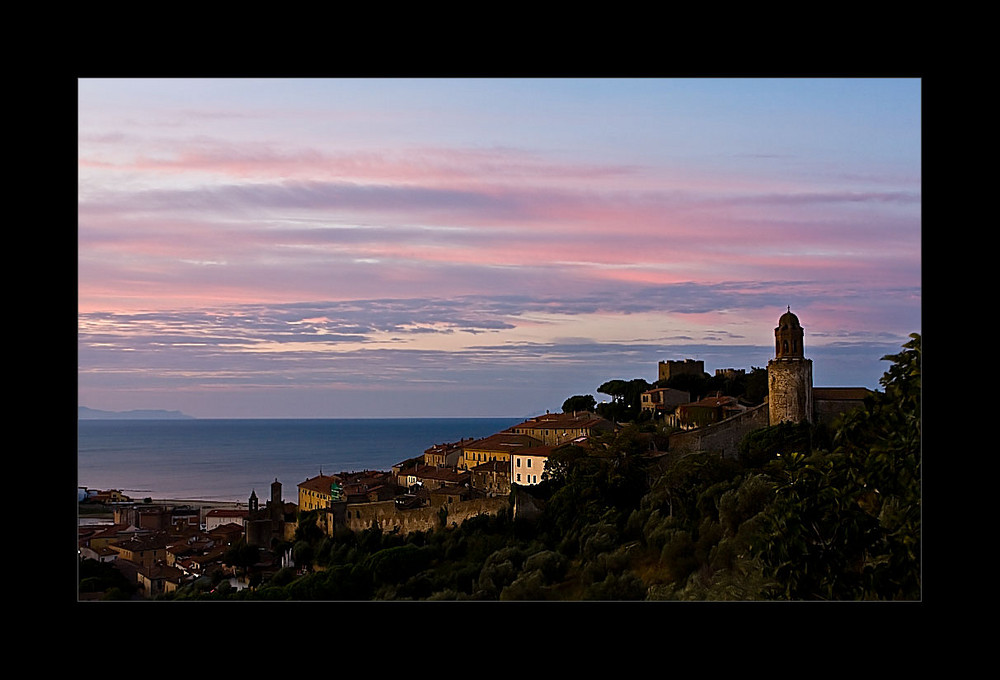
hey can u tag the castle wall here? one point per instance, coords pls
(384, 514)
(828, 411)
(722, 437)
(670, 369)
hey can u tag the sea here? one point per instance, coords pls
(224, 460)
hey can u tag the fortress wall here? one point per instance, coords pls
(828, 411)
(722, 437)
(384, 514)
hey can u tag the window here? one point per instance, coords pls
(529, 462)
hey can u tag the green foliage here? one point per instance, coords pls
(580, 402)
(626, 399)
(764, 445)
(242, 555)
(846, 525)
(832, 517)
(102, 577)
(307, 529)
(394, 565)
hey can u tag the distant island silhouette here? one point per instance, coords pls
(84, 413)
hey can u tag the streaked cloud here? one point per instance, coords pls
(226, 240)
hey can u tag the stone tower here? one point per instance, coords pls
(789, 375)
(276, 506)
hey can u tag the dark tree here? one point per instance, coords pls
(580, 402)
(846, 524)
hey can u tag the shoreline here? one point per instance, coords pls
(200, 504)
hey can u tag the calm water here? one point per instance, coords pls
(224, 460)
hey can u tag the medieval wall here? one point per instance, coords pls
(722, 437)
(384, 514)
(828, 411)
(670, 369)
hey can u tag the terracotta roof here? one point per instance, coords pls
(134, 543)
(221, 512)
(544, 451)
(493, 466)
(163, 571)
(444, 448)
(319, 483)
(434, 472)
(502, 441)
(566, 420)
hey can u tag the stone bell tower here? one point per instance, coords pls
(789, 375)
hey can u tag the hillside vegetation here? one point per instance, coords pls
(801, 514)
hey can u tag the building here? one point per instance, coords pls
(448, 494)
(497, 447)
(430, 477)
(318, 492)
(159, 578)
(663, 400)
(144, 551)
(527, 466)
(262, 526)
(706, 411)
(671, 369)
(553, 429)
(791, 398)
(829, 403)
(789, 374)
(445, 455)
(491, 478)
(217, 517)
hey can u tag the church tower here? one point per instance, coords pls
(276, 506)
(789, 374)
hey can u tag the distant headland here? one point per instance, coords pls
(84, 413)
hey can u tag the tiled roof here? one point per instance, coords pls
(445, 448)
(543, 451)
(502, 441)
(224, 512)
(493, 466)
(320, 483)
(564, 420)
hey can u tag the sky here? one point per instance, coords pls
(455, 247)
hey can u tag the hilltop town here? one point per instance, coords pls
(160, 547)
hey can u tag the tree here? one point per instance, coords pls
(242, 555)
(626, 399)
(846, 524)
(580, 402)
(763, 445)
